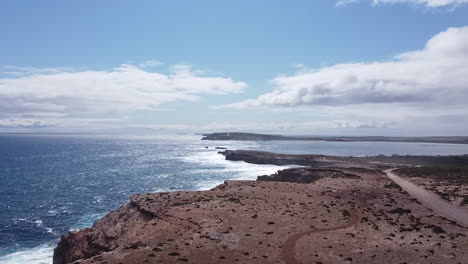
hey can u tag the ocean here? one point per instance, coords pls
(51, 184)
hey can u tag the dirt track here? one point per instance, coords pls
(288, 251)
(431, 200)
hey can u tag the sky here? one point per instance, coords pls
(322, 67)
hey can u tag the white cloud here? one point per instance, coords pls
(435, 75)
(117, 91)
(362, 124)
(23, 71)
(247, 126)
(283, 127)
(341, 3)
(24, 123)
(424, 89)
(427, 3)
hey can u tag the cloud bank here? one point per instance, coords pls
(434, 76)
(420, 91)
(27, 93)
(426, 3)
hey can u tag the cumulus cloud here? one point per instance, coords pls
(426, 3)
(422, 91)
(71, 92)
(433, 76)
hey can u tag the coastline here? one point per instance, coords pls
(309, 206)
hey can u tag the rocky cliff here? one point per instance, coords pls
(345, 215)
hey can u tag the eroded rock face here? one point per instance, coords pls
(336, 219)
(81, 245)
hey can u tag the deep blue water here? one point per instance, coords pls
(52, 184)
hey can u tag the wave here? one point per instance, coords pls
(86, 221)
(43, 254)
(212, 162)
(38, 255)
(38, 223)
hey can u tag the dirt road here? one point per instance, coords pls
(431, 200)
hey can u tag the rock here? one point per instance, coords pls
(400, 211)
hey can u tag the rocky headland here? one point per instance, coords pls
(262, 157)
(335, 210)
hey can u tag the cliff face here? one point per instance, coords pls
(272, 222)
(104, 236)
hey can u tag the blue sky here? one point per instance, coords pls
(84, 66)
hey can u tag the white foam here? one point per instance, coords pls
(99, 199)
(39, 223)
(237, 170)
(164, 175)
(86, 221)
(38, 255)
(53, 212)
(43, 254)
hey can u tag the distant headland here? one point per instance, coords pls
(267, 137)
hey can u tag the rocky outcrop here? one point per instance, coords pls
(262, 157)
(117, 229)
(81, 245)
(305, 175)
(371, 164)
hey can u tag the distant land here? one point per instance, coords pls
(267, 137)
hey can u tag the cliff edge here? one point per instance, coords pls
(344, 215)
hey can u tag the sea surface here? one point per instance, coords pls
(51, 184)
